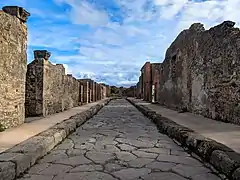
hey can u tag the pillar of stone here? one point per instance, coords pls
(93, 91)
(34, 97)
(80, 101)
(85, 92)
(96, 92)
(13, 65)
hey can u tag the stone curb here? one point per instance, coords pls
(15, 161)
(224, 159)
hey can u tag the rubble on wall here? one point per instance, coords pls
(13, 66)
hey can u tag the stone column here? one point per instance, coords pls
(13, 65)
(85, 92)
(93, 91)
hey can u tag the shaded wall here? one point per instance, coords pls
(200, 72)
(13, 66)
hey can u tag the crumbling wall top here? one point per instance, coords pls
(19, 12)
(198, 27)
(42, 54)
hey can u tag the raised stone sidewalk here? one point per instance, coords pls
(215, 142)
(21, 147)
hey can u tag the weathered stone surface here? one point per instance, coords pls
(200, 72)
(163, 176)
(13, 67)
(162, 166)
(48, 89)
(189, 171)
(85, 175)
(131, 173)
(7, 170)
(236, 174)
(19, 12)
(225, 161)
(21, 161)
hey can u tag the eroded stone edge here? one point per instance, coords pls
(22, 156)
(223, 158)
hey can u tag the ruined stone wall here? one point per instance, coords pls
(201, 72)
(54, 100)
(95, 87)
(85, 84)
(48, 89)
(13, 68)
(146, 81)
(71, 92)
(34, 88)
(99, 91)
(155, 80)
(104, 91)
(93, 91)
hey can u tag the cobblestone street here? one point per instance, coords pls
(118, 143)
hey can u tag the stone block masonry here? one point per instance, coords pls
(13, 65)
(48, 89)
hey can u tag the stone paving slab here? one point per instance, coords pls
(16, 160)
(198, 140)
(118, 143)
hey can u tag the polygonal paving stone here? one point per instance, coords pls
(131, 173)
(156, 150)
(143, 154)
(125, 156)
(189, 171)
(179, 159)
(107, 148)
(162, 166)
(110, 167)
(48, 169)
(37, 177)
(84, 146)
(99, 157)
(75, 152)
(73, 161)
(205, 176)
(163, 176)
(66, 144)
(87, 168)
(52, 157)
(136, 143)
(139, 162)
(84, 176)
(126, 147)
(179, 153)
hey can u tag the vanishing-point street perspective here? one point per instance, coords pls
(119, 90)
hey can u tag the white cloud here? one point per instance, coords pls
(83, 12)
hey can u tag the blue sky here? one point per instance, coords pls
(110, 40)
